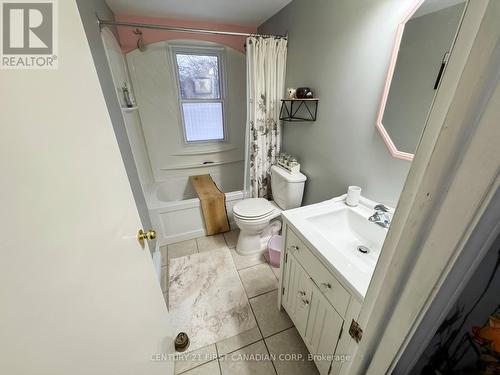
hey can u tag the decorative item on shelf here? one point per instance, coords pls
(302, 92)
(290, 92)
(126, 96)
(288, 162)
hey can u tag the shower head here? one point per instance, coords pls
(140, 41)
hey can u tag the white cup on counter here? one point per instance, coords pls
(353, 194)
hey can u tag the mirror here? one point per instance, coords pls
(422, 49)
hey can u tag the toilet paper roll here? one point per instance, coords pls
(353, 194)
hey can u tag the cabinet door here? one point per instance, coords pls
(323, 330)
(297, 295)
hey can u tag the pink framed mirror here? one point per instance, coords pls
(424, 39)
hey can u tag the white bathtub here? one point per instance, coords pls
(176, 212)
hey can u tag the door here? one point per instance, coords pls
(323, 331)
(298, 292)
(78, 293)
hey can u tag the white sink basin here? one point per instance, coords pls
(347, 230)
(336, 232)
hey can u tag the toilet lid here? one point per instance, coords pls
(253, 208)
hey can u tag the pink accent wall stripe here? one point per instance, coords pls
(128, 40)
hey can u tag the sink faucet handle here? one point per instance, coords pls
(381, 207)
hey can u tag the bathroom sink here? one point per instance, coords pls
(350, 232)
(343, 237)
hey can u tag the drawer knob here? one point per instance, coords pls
(305, 303)
(326, 286)
(294, 248)
(301, 293)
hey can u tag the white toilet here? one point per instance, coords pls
(253, 216)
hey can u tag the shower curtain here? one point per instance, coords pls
(266, 63)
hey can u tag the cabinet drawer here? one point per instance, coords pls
(326, 282)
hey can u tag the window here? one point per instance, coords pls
(200, 94)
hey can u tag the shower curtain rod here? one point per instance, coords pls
(101, 23)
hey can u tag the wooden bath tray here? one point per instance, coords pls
(213, 204)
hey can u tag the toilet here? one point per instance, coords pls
(253, 216)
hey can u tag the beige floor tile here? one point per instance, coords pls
(251, 360)
(245, 261)
(269, 318)
(276, 271)
(239, 341)
(164, 255)
(284, 346)
(187, 361)
(211, 368)
(211, 242)
(181, 249)
(232, 238)
(258, 279)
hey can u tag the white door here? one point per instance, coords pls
(78, 294)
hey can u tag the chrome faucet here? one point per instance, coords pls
(381, 216)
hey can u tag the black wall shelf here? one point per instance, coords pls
(290, 109)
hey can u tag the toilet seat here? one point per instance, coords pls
(253, 209)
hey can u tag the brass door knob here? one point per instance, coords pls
(149, 235)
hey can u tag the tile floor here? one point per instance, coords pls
(259, 350)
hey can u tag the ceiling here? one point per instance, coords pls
(236, 12)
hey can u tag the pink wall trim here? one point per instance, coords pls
(385, 94)
(128, 40)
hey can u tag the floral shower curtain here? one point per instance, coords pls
(266, 63)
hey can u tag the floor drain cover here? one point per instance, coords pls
(363, 249)
(181, 342)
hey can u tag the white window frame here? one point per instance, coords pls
(219, 52)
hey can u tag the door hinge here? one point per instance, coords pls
(355, 331)
(286, 257)
(283, 291)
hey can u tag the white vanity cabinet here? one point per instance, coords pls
(298, 294)
(324, 326)
(318, 304)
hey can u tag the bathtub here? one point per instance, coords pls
(176, 213)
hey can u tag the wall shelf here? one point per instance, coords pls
(290, 109)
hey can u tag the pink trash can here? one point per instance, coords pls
(274, 248)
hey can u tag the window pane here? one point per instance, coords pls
(198, 76)
(203, 121)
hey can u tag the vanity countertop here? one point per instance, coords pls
(334, 231)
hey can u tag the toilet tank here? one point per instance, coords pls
(287, 188)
